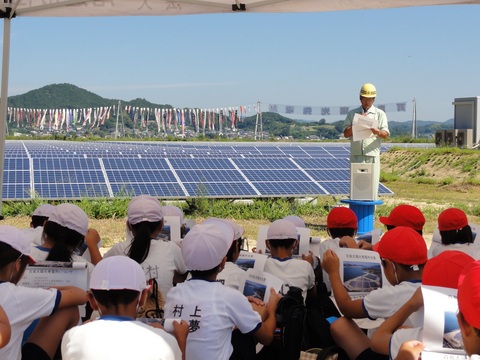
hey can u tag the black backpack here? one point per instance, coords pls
(291, 318)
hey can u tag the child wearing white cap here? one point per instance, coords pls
(65, 230)
(56, 308)
(39, 217)
(159, 259)
(281, 240)
(211, 309)
(117, 289)
(232, 275)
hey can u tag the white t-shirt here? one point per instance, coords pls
(22, 306)
(231, 276)
(117, 338)
(212, 311)
(34, 234)
(384, 302)
(470, 249)
(293, 272)
(164, 258)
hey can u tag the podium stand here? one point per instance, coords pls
(364, 211)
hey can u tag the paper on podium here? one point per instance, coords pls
(361, 126)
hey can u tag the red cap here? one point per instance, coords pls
(402, 245)
(405, 215)
(445, 269)
(452, 219)
(469, 293)
(342, 217)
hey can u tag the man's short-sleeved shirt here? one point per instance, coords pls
(370, 146)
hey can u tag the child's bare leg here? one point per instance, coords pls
(349, 337)
(50, 329)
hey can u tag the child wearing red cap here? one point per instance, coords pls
(444, 271)
(403, 252)
(404, 215)
(469, 309)
(342, 225)
(468, 297)
(455, 234)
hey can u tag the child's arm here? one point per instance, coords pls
(348, 307)
(264, 334)
(71, 296)
(381, 338)
(5, 329)
(180, 331)
(92, 239)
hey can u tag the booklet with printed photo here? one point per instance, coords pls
(360, 270)
(258, 284)
(441, 332)
(248, 260)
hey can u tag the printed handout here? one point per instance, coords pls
(361, 126)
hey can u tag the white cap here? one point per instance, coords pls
(282, 229)
(296, 220)
(237, 229)
(206, 244)
(118, 273)
(170, 210)
(144, 208)
(70, 216)
(17, 239)
(44, 210)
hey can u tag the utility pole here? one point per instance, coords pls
(118, 113)
(414, 119)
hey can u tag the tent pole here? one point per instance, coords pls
(3, 102)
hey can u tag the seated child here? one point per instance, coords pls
(211, 309)
(443, 270)
(39, 217)
(56, 308)
(117, 288)
(403, 252)
(455, 234)
(281, 240)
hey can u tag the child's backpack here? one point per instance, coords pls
(291, 317)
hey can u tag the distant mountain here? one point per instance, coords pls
(68, 96)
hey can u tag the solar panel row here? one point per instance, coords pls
(63, 170)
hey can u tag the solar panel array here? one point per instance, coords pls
(73, 170)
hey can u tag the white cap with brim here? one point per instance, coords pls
(206, 244)
(71, 217)
(144, 208)
(118, 273)
(282, 229)
(296, 220)
(17, 239)
(44, 210)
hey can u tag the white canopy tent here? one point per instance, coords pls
(10, 9)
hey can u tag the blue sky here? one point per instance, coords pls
(209, 61)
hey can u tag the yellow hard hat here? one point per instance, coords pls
(368, 91)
